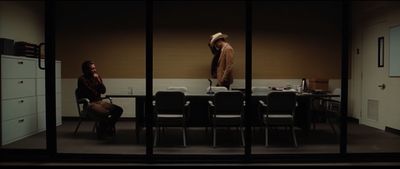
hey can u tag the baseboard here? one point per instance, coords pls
(392, 130)
(77, 118)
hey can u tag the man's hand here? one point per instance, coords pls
(97, 77)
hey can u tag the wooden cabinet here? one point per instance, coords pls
(23, 98)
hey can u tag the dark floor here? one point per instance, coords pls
(362, 139)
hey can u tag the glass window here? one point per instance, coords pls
(182, 61)
(373, 100)
(111, 34)
(292, 42)
(23, 124)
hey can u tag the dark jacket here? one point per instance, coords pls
(89, 87)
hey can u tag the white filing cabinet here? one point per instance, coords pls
(22, 98)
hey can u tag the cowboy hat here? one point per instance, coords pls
(217, 36)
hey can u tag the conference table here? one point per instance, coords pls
(199, 116)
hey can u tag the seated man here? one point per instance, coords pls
(90, 85)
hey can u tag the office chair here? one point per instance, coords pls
(260, 89)
(178, 88)
(278, 110)
(215, 89)
(332, 109)
(170, 107)
(227, 105)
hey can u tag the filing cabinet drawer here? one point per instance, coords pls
(16, 88)
(15, 108)
(17, 68)
(15, 129)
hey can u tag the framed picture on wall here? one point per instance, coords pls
(380, 52)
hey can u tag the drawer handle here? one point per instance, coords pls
(21, 101)
(21, 121)
(20, 62)
(21, 82)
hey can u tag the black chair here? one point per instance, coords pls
(332, 112)
(170, 108)
(228, 106)
(327, 109)
(82, 106)
(278, 110)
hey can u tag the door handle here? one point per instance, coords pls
(39, 55)
(382, 86)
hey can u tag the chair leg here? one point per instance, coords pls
(156, 136)
(332, 125)
(266, 136)
(242, 135)
(214, 137)
(138, 135)
(294, 136)
(114, 131)
(94, 127)
(314, 120)
(77, 127)
(184, 136)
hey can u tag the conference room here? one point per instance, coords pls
(308, 77)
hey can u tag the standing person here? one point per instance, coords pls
(224, 66)
(90, 85)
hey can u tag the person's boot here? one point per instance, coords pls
(110, 131)
(100, 130)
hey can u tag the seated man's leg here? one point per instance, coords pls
(114, 113)
(99, 114)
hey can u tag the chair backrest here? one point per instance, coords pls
(217, 89)
(228, 102)
(169, 102)
(261, 89)
(81, 105)
(178, 88)
(281, 102)
(337, 91)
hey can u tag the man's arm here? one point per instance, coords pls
(101, 88)
(83, 84)
(229, 64)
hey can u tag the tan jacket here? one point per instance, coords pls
(225, 64)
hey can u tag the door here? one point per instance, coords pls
(374, 78)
